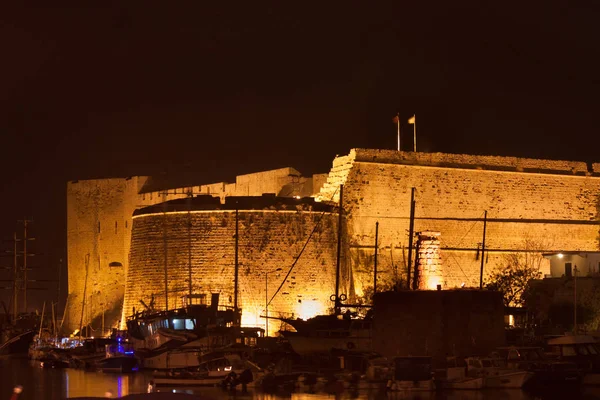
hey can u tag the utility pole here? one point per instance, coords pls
(375, 259)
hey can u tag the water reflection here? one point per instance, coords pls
(58, 384)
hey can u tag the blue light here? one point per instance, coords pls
(119, 339)
(129, 352)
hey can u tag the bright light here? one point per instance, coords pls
(309, 308)
(462, 285)
(511, 320)
(296, 197)
(433, 281)
(560, 255)
(227, 368)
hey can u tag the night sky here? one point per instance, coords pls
(211, 91)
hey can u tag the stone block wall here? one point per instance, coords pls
(532, 205)
(269, 239)
(98, 232)
(99, 222)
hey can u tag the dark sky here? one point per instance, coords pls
(235, 87)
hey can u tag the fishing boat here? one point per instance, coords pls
(494, 373)
(325, 333)
(120, 357)
(177, 338)
(226, 369)
(333, 332)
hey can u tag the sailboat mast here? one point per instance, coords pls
(411, 230)
(25, 265)
(15, 273)
(189, 232)
(235, 284)
(166, 248)
(375, 259)
(482, 250)
(339, 251)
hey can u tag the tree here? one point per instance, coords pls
(514, 279)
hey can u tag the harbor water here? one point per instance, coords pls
(54, 384)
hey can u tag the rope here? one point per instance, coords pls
(301, 251)
(459, 244)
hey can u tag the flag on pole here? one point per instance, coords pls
(411, 120)
(396, 119)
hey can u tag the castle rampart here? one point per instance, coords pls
(532, 206)
(272, 233)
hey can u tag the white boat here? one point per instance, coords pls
(457, 379)
(495, 374)
(228, 369)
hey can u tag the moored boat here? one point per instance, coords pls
(120, 357)
(177, 338)
(495, 374)
(582, 350)
(228, 369)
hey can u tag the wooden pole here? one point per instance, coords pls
(482, 250)
(236, 266)
(165, 251)
(411, 233)
(375, 259)
(337, 306)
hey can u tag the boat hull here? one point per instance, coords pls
(118, 364)
(510, 380)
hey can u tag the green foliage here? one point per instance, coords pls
(514, 279)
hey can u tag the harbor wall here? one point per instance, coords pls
(440, 324)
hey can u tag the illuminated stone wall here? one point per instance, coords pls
(98, 233)
(99, 220)
(533, 205)
(269, 238)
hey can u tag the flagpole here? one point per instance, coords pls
(415, 133)
(398, 121)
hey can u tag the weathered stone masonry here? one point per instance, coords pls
(271, 236)
(532, 205)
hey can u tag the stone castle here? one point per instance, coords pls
(124, 233)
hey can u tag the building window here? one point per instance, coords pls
(98, 226)
(568, 270)
(116, 227)
(125, 224)
(115, 264)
